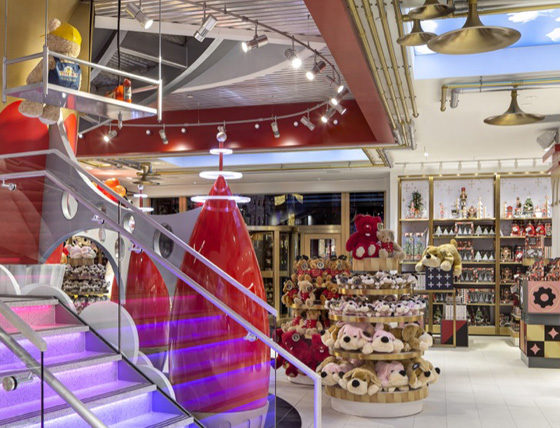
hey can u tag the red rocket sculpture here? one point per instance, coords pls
(147, 301)
(214, 366)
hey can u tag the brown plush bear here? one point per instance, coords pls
(389, 247)
(306, 295)
(290, 292)
(66, 40)
(445, 257)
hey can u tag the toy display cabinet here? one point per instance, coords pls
(375, 264)
(539, 333)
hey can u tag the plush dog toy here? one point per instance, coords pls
(66, 40)
(353, 337)
(361, 380)
(389, 247)
(446, 257)
(421, 373)
(364, 243)
(332, 370)
(392, 376)
(383, 342)
(417, 339)
(329, 337)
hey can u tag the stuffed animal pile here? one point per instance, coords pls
(311, 352)
(377, 281)
(362, 307)
(371, 239)
(361, 378)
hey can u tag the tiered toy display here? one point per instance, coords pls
(311, 285)
(377, 342)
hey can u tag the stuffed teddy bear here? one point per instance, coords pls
(389, 247)
(353, 337)
(361, 380)
(338, 265)
(332, 370)
(316, 267)
(66, 40)
(295, 324)
(318, 351)
(305, 295)
(392, 376)
(363, 243)
(445, 256)
(382, 341)
(295, 343)
(302, 265)
(329, 292)
(312, 325)
(290, 292)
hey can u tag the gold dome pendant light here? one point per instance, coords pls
(417, 37)
(474, 37)
(514, 115)
(430, 10)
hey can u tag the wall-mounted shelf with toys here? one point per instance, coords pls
(377, 369)
(495, 220)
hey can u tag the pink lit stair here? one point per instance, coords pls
(89, 368)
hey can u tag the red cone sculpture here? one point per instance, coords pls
(147, 301)
(213, 367)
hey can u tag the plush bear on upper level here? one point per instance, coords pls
(364, 243)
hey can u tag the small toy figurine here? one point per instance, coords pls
(528, 208)
(509, 213)
(441, 210)
(518, 207)
(463, 199)
(480, 208)
(471, 213)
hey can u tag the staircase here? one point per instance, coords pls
(118, 394)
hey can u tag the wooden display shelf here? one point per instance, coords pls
(512, 263)
(377, 356)
(489, 262)
(525, 218)
(477, 330)
(306, 308)
(373, 292)
(350, 318)
(444, 220)
(478, 304)
(412, 220)
(375, 264)
(380, 397)
(474, 284)
(465, 236)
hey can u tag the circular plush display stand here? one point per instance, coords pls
(301, 379)
(249, 418)
(380, 405)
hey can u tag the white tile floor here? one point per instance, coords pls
(486, 385)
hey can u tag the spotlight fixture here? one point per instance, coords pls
(340, 109)
(163, 136)
(339, 86)
(474, 37)
(335, 122)
(479, 165)
(136, 13)
(338, 98)
(431, 9)
(110, 135)
(257, 126)
(295, 60)
(256, 42)
(220, 151)
(221, 136)
(305, 121)
(416, 37)
(513, 115)
(183, 130)
(317, 68)
(327, 115)
(208, 23)
(454, 102)
(148, 132)
(426, 154)
(275, 131)
(460, 166)
(80, 135)
(296, 123)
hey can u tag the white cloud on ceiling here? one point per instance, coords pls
(524, 17)
(429, 26)
(554, 35)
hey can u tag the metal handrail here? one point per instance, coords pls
(263, 304)
(43, 373)
(23, 327)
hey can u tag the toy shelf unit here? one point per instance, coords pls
(348, 395)
(501, 223)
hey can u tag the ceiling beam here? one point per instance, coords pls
(152, 58)
(178, 29)
(108, 54)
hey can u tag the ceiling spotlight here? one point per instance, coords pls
(340, 88)
(426, 154)
(275, 131)
(148, 132)
(340, 108)
(80, 135)
(335, 122)
(163, 136)
(257, 126)
(327, 115)
(220, 151)
(207, 25)
(254, 43)
(183, 130)
(454, 99)
(305, 121)
(110, 135)
(296, 123)
(221, 136)
(136, 13)
(514, 115)
(106, 138)
(473, 37)
(338, 98)
(317, 68)
(295, 60)
(416, 37)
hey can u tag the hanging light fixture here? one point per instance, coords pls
(327, 115)
(274, 127)
(431, 9)
(417, 37)
(136, 13)
(307, 122)
(513, 115)
(208, 23)
(256, 42)
(292, 56)
(474, 37)
(317, 68)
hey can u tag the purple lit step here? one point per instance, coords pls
(40, 315)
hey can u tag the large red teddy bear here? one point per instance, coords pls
(363, 242)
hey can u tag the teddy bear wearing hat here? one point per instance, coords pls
(65, 39)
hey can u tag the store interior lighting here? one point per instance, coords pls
(254, 43)
(294, 59)
(207, 25)
(163, 136)
(307, 122)
(275, 131)
(136, 12)
(317, 68)
(328, 114)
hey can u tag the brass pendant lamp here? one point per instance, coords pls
(430, 10)
(417, 37)
(474, 37)
(514, 115)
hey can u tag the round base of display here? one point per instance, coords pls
(249, 418)
(376, 410)
(301, 379)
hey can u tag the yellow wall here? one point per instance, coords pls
(26, 29)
